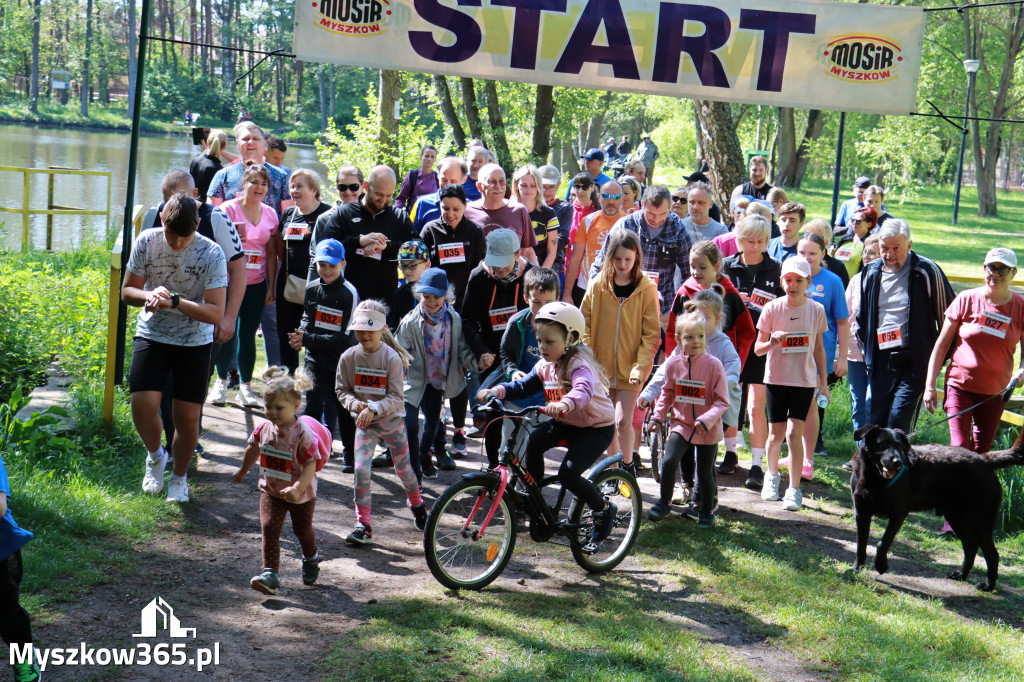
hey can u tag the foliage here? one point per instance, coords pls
(31, 437)
(361, 148)
(676, 136)
(170, 93)
(1011, 513)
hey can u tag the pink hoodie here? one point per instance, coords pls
(695, 388)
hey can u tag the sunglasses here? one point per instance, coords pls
(678, 200)
(582, 188)
(613, 197)
(1001, 270)
(855, 221)
(354, 187)
(411, 264)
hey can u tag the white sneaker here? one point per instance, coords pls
(246, 398)
(153, 480)
(177, 490)
(217, 393)
(793, 501)
(770, 488)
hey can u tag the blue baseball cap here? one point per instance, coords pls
(433, 281)
(594, 154)
(330, 251)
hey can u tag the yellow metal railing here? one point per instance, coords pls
(113, 300)
(51, 209)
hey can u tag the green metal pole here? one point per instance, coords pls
(129, 200)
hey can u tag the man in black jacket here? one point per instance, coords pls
(904, 297)
(371, 230)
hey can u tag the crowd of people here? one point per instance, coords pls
(619, 299)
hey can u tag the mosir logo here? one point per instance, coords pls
(353, 17)
(859, 57)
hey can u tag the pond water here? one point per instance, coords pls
(31, 147)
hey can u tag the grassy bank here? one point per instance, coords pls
(76, 491)
(114, 117)
(755, 598)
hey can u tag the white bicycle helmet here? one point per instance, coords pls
(567, 315)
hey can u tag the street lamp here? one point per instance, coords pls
(971, 66)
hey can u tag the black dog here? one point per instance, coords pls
(892, 479)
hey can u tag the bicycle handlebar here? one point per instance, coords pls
(493, 403)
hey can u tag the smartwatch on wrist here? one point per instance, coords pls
(175, 299)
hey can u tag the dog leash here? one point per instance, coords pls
(1005, 393)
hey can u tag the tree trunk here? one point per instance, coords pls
(570, 161)
(543, 117)
(133, 56)
(193, 32)
(722, 151)
(334, 88)
(298, 99)
(793, 157)
(986, 159)
(170, 25)
(85, 59)
(593, 138)
(33, 103)
(476, 126)
(390, 92)
(279, 94)
(497, 122)
(700, 140)
(451, 118)
(323, 97)
(208, 39)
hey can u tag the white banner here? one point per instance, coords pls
(797, 53)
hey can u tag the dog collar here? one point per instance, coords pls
(897, 476)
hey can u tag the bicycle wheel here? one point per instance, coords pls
(618, 544)
(657, 450)
(457, 557)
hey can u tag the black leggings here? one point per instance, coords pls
(15, 626)
(585, 445)
(675, 450)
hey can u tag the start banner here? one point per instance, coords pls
(796, 53)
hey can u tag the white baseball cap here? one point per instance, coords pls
(797, 265)
(1002, 255)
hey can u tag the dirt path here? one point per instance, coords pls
(203, 572)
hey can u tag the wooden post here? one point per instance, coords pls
(49, 207)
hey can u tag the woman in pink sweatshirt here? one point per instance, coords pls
(696, 391)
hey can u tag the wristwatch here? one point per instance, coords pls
(175, 298)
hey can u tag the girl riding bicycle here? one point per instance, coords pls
(575, 397)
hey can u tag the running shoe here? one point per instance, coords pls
(807, 472)
(446, 463)
(382, 461)
(728, 464)
(27, 672)
(603, 522)
(177, 490)
(706, 521)
(659, 511)
(153, 480)
(246, 398)
(770, 488)
(458, 450)
(362, 535)
(755, 478)
(266, 582)
(419, 516)
(793, 500)
(218, 393)
(310, 569)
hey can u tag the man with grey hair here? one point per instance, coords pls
(699, 221)
(665, 242)
(904, 297)
(477, 157)
(493, 211)
(371, 230)
(252, 149)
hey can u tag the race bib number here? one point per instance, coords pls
(276, 463)
(253, 260)
(373, 381)
(759, 298)
(653, 276)
(995, 324)
(328, 318)
(362, 252)
(451, 253)
(844, 253)
(690, 392)
(796, 342)
(296, 231)
(500, 317)
(889, 337)
(553, 391)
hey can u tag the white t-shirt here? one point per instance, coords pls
(188, 273)
(792, 363)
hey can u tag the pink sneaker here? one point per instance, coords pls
(784, 461)
(807, 473)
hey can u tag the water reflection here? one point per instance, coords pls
(32, 147)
